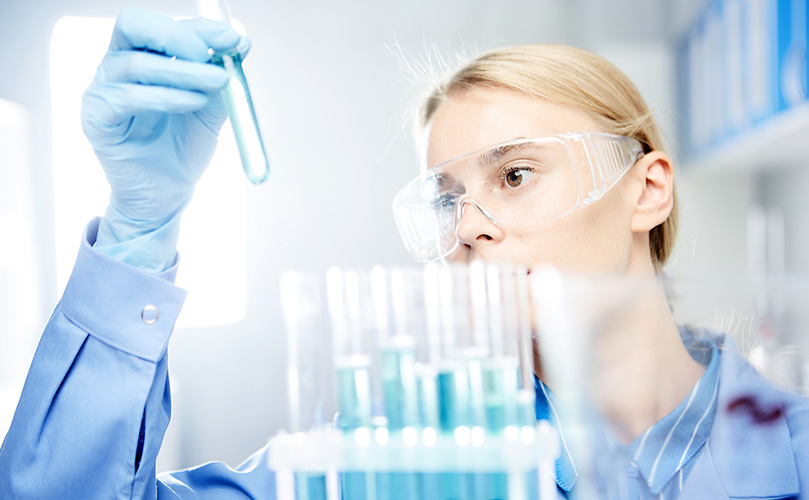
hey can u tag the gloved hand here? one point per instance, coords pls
(152, 114)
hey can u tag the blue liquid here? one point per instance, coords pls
(400, 393)
(532, 484)
(356, 485)
(474, 376)
(354, 399)
(239, 105)
(310, 486)
(452, 385)
(399, 384)
(429, 486)
(526, 408)
(427, 390)
(354, 391)
(479, 485)
(397, 486)
(500, 387)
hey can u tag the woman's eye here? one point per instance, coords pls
(516, 177)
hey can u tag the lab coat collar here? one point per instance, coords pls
(546, 409)
(666, 438)
(749, 453)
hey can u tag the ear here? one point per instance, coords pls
(656, 199)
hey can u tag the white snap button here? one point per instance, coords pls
(150, 314)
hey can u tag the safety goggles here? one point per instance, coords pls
(515, 185)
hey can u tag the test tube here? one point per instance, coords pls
(453, 377)
(309, 374)
(509, 372)
(238, 102)
(458, 372)
(524, 327)
(353, 365)
(351, 357)
(398, 349)
(397, 346)
(430, 343)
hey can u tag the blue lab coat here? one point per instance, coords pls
(96, 404)
(759, 442)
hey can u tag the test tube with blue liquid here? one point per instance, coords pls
(398, 348)
(523, 325)
(447, 317)
(309, 372)
(509, 402)
(430, 348)
(474, 348)
(393, 300)
(238, 101)
(509, 370)
(353, 365)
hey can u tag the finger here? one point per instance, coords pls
(119, 102)
(155, 69)
(217, 35)
(135, 29)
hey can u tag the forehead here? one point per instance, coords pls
(472, 120)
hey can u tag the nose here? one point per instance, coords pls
(476, 227)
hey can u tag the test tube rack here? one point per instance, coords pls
(432, 376)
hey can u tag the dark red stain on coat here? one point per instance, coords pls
(758, 412)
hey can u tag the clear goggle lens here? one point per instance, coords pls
(518, 184)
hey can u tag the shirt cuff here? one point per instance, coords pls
(120, 305)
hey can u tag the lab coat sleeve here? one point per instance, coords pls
(251, 480)
(96, 400)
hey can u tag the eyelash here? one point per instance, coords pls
(514, 168)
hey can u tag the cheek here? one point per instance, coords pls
(591, 240)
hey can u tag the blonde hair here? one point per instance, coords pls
(571, 77)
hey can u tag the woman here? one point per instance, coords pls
(96, 403)
(662, 405)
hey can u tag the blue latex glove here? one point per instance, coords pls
(152, 114)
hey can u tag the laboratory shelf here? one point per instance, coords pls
(780, 142)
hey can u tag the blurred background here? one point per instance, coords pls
(332, 82)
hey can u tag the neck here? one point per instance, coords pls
(641, 371)
(635, 366)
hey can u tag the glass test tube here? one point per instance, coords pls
(511, 341)
(309, 374)
(351, 358)
(490, 372)
(391, 298)
(353, 365)
(453, 377)
(430, 343)
(455, 380)
(398, 351)
(510, 393)
(524, 327)
(238, 102)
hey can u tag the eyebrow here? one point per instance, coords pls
(495, 154)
